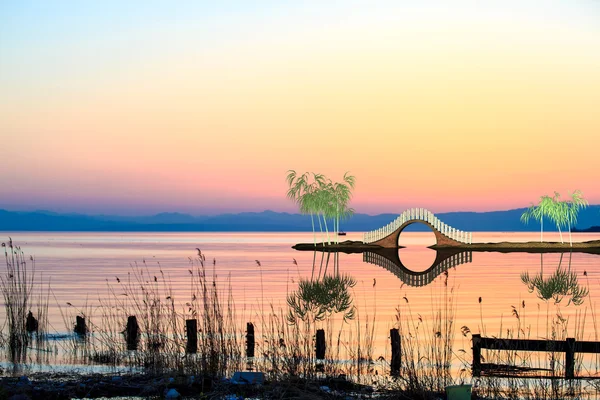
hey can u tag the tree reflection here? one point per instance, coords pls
(562, 283)
(317, 299)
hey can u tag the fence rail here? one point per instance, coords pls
(569, 346)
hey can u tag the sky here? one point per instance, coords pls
(141, 107)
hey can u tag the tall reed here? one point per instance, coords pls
(17, 285)
(427, 343)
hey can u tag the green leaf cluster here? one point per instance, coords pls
(563, 213)
(562, 283)
(317, 195)
(317, 300)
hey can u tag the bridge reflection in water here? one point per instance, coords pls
(390, 260)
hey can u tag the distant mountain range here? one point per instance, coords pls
(266, 221)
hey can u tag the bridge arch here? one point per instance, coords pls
(445, 235)
(412, 223)
(389, 259)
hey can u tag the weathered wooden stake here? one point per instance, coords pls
(132, 333)
(31, 324)
(320, 344)
(191, 327)
(249, 339)
(476, 366)
(80, 327)
(570, 358)
(395, 339)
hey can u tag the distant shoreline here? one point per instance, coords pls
(591, 229)
(266, 221)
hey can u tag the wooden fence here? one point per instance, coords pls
(569, 346)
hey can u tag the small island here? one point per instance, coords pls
(349, 246)
(327, 200)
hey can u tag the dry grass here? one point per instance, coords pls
(17, 287)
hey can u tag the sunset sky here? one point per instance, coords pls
(131, 107)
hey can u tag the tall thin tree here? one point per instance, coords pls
(571, 208)
(538, 212)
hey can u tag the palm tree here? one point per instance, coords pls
(299, 191)
(556, 212)
(326, 205)
(572, 208)
(538, 213)
(321, 200)
(321, 197)
(342, 192)
(307, 206)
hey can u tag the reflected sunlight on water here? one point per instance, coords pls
(80, 265)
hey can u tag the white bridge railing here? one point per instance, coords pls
(420, 214)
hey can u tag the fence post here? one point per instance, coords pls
(249, 339)
(132, 333)
(395, 339)
(80, 327)
(570, 358)
(31, 323)
(320, 344)
(191, 327)
(476, 366)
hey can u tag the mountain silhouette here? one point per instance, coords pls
(265, 221)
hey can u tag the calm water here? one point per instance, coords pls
(81, 265)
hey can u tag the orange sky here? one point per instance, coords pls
(473, 106)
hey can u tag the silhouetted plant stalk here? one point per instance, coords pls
(427, 344)
(288, 344)
(17, 286)
(151, 299)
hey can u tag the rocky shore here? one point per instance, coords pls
(52, 386)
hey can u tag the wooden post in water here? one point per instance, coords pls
(476, 366)
(320, 344)
(132, 333)
(191, 327)
(570, 358)
(80, 327)
(395, 339)
(249, 339)
(31, 324)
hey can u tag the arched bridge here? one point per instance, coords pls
(445, 235)
(443, 262)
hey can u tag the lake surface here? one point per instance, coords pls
(486, 291)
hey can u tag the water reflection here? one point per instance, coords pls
(562, 283)
(444, 260)
(318, 298)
